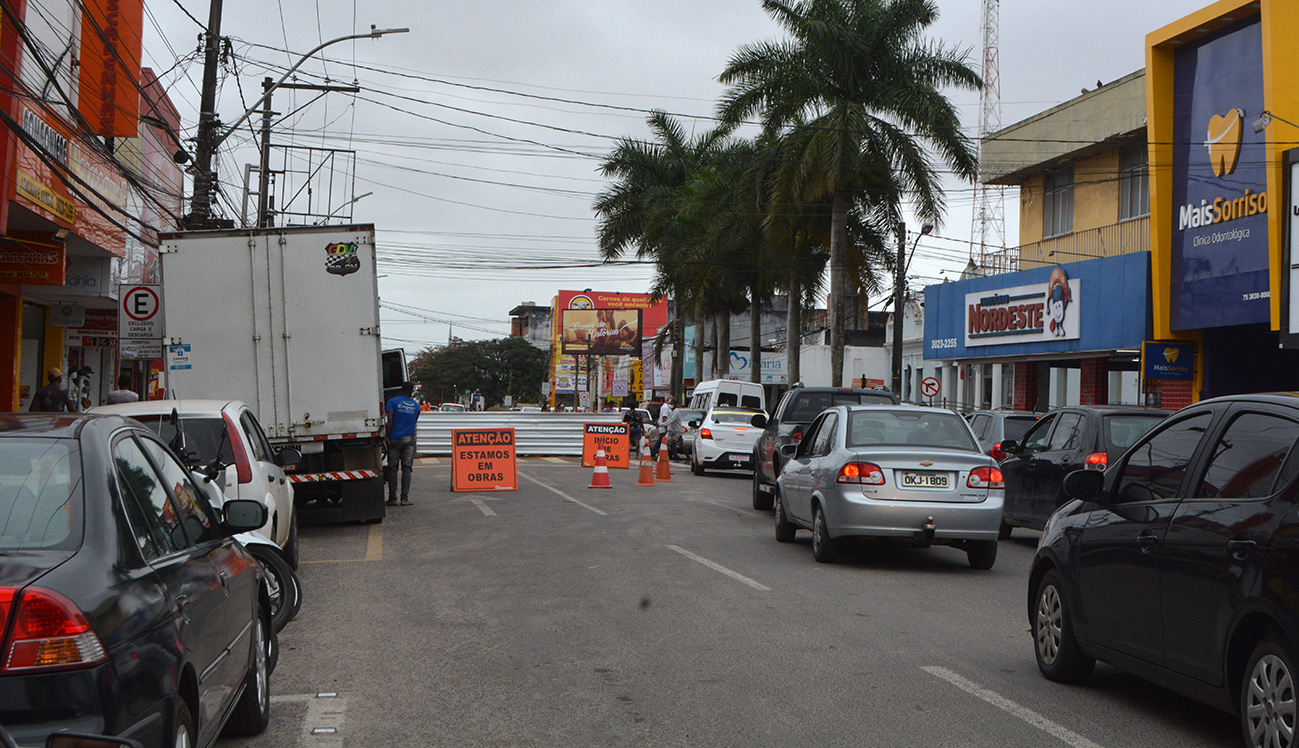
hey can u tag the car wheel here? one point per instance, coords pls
(824, 548)
(696, 467)
(982, 554)
(784, 528)
(183, 725)
(1267, 697)
(252, 713)
(1004, 532)
(291, 547)
(761, 499)
(1055, 647)
(282, 586)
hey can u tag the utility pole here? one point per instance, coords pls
(264, 178)
(204, 179)
(899, 284)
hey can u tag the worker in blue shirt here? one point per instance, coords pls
(401, 413)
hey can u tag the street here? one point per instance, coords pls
(670, 616)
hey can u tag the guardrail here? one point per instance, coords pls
(534, 433)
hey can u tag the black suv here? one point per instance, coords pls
(1180, 563)
(799, 407)
(1064, 440)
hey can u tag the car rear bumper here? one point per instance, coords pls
(83, 701)
(856, 515)
(723, 457)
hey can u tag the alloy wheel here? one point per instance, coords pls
(1270, 709)
(1050, 624)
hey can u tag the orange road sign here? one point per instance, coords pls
(613, 438)
(484, 460)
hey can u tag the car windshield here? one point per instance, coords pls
(205, 438)
(1017, 426)
(1122, 431)
(744, 417)
(40, 494)
(909, 428)
(809, 404)
(691, 414)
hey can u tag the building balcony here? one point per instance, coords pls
(1105, 241)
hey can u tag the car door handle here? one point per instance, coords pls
(1240, 548)
(182, 606)
(1147, 541)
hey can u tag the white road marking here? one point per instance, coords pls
(323, 725)
(482, 507)
(719, 568)
(552, 489)
(1059, 732)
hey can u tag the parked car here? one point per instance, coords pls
(992, 427)
(902, 473)
(1179, 564)
(724, 439)
(1064, 440)
(785, 426)
(451, 408)
(126, 606)
(228, 430)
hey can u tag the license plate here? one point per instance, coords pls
(739, 458)
(924, 480)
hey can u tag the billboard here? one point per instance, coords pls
(601, 332)
(654, 314)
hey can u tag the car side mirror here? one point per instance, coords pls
(1085, 485)
(288, 457)
(1009, 447)
(242, 515)
(74, 740)
(759, 420)
(788, 451)
(693, 424)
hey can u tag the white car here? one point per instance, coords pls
(228, 428)
(725, 438)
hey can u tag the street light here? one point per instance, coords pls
(899, 286)
(344, 205)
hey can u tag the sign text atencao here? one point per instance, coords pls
(613, 438)
(483, 460)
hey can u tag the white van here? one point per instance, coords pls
(728, 392)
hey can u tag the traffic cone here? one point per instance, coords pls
(646, 471)
(665, 466)
(600, 478)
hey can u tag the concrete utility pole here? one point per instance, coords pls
(201, 205)
(899, 290)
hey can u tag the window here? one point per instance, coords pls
(1156, 467)
(806, 445)
(1017, 426)
(1057, 203)
(1247, 460)
(1035, 439)
(40, 494)
(1123, 431)
(825, 435)
(193, 508)
(979, 424)
(153, 520)
(1068, 433)
(1134, 183)
(256, 439)
(917, 429)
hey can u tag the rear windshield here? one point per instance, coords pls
(735, 416)
(808, 405)
(918, 429)
(1122, 431)
(205, 438)
(40, 494)
(1017, 426)
(691, 414)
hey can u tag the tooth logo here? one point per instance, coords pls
(1224, 141)
(1170, 355)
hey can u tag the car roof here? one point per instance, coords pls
(1287, 399)
(895, 408)
(1007, 412)
(164, 407)
(1115, 409)
(55, 425)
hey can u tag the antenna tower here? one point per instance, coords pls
(989, 229)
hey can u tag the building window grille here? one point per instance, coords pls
(1057, 205)
(1134, 184)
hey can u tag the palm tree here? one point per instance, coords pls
(864, 90)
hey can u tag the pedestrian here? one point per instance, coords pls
(652, 440)
(674, 432)
(634, 430)
(401, 413)
(123, 393)
(665, 415)
(53, 397)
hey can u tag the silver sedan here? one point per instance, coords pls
(903, 473)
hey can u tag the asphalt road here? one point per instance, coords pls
(669, 616)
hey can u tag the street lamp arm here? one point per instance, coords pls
(373, 33)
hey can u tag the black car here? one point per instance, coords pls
(126, 607)
(799, 407)
(992, 427)
(1064, 440)
(1180, 564)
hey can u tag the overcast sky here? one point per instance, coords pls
(479, 132)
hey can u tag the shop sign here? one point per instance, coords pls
(613, 438)
(1037, 313)
(1167, 360)
(484, 460)
(45, 196)
(33, 265)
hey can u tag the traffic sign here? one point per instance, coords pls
(139, 315)
(929, 387)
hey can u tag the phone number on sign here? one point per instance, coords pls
(942, 343)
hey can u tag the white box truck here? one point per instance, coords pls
(287, 320)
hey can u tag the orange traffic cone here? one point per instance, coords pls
(665, 466)
(600, 478)
(646, 469)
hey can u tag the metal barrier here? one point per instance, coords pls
(534, 433)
